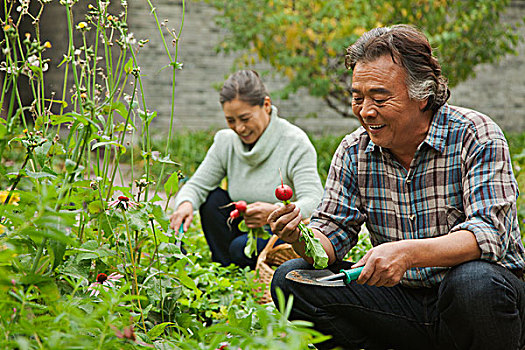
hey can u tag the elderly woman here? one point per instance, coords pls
(249, 154)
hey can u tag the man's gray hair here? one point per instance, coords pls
(409, 48)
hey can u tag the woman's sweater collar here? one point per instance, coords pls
(264, 145)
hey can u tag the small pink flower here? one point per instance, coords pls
(123, 202)
(105, 281)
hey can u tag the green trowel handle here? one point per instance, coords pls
(352, 274)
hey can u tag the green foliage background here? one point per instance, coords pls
(305, 40)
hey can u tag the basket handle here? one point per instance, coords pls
(268, 246)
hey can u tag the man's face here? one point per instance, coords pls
(380, 101)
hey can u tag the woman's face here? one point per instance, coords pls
(249, 122)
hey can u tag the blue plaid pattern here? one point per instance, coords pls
(460, 179)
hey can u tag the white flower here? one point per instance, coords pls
(33, 61)
(127, 98)
(130, 39)
(24, 7)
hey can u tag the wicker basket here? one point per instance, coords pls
(272, 256)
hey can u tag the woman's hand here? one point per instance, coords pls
(284, 222)
(183, 214)
(256, 214)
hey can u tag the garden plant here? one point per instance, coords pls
(87, 261)
(87, 258)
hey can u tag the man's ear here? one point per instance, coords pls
(425, 104)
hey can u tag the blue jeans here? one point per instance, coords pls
(479, 305)
(226, 243)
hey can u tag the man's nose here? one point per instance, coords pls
(368, 108)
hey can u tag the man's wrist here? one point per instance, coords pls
(297, 236)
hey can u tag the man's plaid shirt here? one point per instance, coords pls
(460, 179)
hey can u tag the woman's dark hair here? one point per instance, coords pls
(409, 48)
(245, 85)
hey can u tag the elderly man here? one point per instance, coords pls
(434, 185)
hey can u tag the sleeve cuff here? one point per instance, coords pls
(488, 238)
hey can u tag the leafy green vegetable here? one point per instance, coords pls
(253, 234)
(313, 247)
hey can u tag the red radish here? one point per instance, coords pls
(241, 206)
(234, 214)
(283, 192)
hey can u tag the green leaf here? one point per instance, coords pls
(156, 198)
(90, 250)
(60, 119)
(313, 247)
(160, 217)
(70, 165)
(147, 117)
(42, 151)
(158, 330)
(242, 226)
(138, 219)
(39, 175)
(188, 282)
(129, 66)
(171, 186)
(3, 129)
(119, 107)
(106, 143)
(95, 207)
(58, 249)
(164, 160)
(251, 244)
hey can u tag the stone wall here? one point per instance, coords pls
(497, 90)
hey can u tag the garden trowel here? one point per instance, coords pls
(325, 277)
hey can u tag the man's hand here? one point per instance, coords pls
(284, 221)
(183, 214)
(256, 214)
(385, 264)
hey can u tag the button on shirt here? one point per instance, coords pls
(460, 179)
